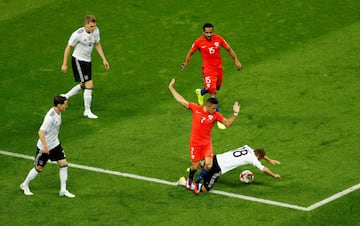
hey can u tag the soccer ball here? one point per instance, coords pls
(246, 176)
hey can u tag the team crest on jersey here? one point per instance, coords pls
(216, 44)
(210, 117)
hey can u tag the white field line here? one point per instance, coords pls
(228, 194)
(333, 197)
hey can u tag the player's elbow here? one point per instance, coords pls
(227, 123)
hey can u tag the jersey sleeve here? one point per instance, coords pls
(224, 44)
(73, 40)
(192, 106)
(46, 124)
(256, 163)
(97, 33)
(222, 41)
(195, 46)
(220, 117)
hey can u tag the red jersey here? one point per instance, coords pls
(210, 50)
(202, 124)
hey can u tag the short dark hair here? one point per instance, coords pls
(59, 100)
(212, 100)
(260, 152)
(207, 25)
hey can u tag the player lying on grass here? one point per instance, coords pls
(223, 163)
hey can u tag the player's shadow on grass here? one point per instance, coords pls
(233, 182)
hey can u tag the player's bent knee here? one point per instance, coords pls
(62, 163)
(204, 189)
(39, 168)
(208, 166)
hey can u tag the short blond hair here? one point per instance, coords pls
(89, 19)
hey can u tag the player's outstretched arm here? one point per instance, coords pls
(270, 173)
(176, 95)
(231, 120)
(271, 161)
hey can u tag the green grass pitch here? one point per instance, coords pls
(299, 95)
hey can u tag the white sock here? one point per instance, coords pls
(75, 90)
(31, 176)
(63, 173)
(87, 99)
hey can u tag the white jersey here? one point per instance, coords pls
(83, 43)
(51, 127)
(239, 157)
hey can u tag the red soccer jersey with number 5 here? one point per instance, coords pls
(202, 124)
(210, 50)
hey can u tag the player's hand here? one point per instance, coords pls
(236, 107)
(172, 82)
(183, 66)
(64, 68)
(277, 176)
(46, 150)
(274, 162)
(106, 65)
(239, 66)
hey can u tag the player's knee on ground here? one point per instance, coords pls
(203, 189)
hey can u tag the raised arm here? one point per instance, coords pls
(231, 120)
(176, 95)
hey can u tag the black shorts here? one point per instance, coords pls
(211, 178)
(55, 154)
(81, 70)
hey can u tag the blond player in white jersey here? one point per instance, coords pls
(49, 147)
(83, 41)
(242, 156)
